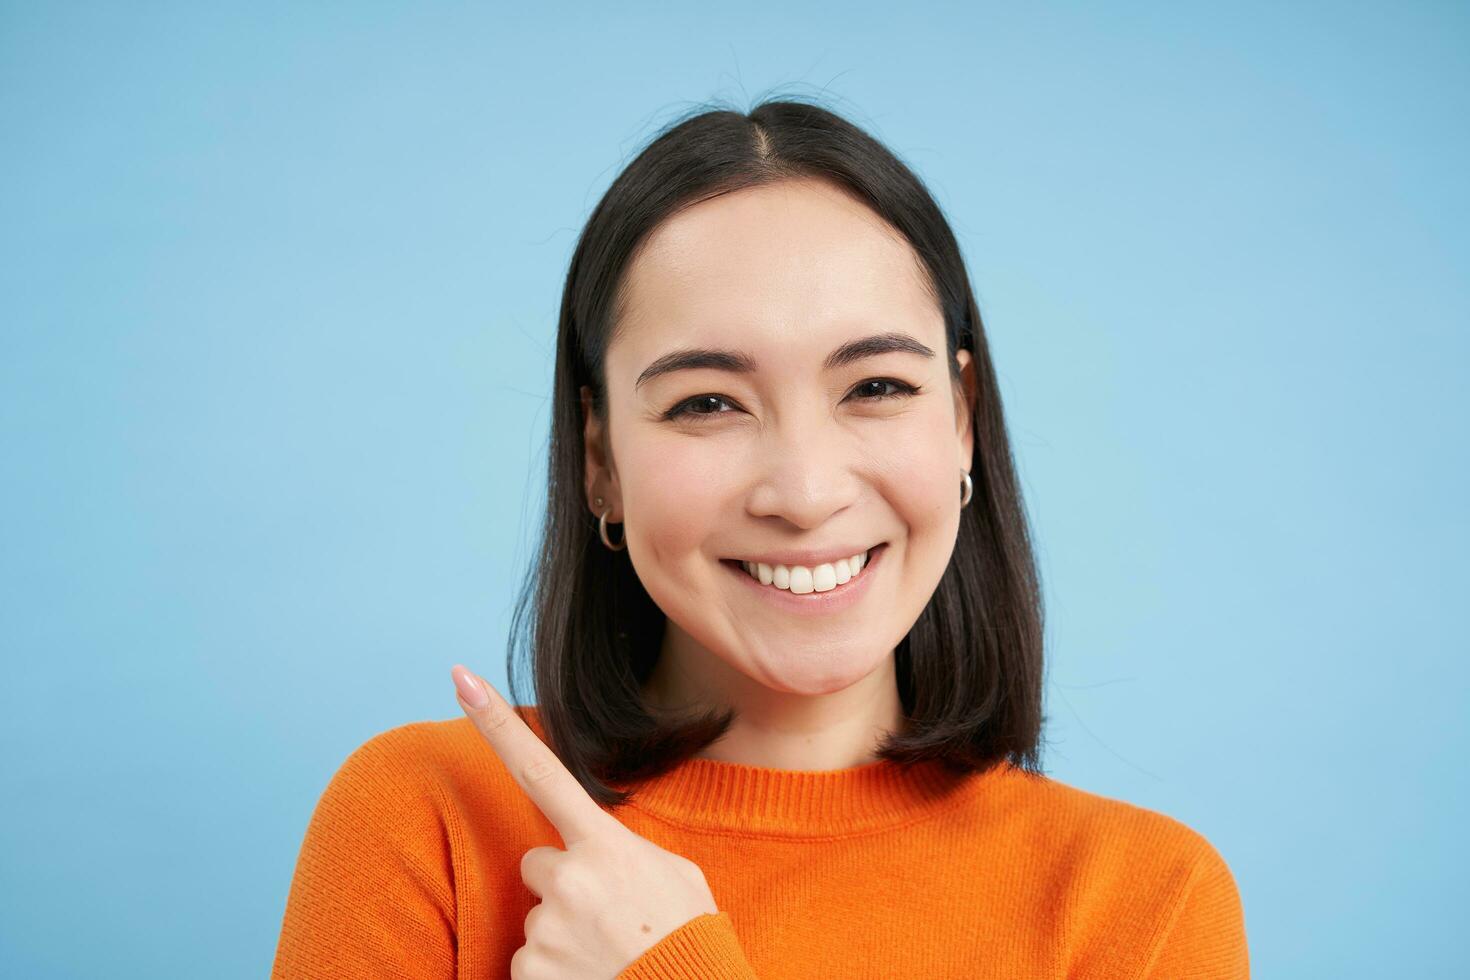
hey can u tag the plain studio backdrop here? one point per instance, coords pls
(278, 289)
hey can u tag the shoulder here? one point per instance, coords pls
(1105, 847)
(433, 754)
(1106, 828)
(444, 767)
(1140, 870)
(1138, 885)
(386, 787)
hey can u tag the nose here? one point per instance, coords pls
(806, 471)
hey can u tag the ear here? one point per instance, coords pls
(964, 407)
(600, 476)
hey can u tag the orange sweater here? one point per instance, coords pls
(410, 868)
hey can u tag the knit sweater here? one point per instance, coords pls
(410, 868)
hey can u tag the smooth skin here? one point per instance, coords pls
(792, 454)
(797, 455)
(611, 894)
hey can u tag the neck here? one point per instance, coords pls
(777, 729)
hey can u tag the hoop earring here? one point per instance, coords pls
(968, 491)
(602, 531)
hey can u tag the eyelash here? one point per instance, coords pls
(682, 410)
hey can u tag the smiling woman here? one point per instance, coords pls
(789, 717)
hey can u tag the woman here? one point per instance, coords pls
(789, 715)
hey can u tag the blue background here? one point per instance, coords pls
(278, 291)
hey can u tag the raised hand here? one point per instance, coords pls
(607, 898)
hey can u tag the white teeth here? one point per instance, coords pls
(800, 579)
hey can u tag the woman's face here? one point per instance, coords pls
(768, 450)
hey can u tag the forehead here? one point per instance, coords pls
(779, 267)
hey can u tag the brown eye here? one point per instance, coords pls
(867, 390)
(698, 405)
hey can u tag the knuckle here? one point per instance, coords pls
(531, 963)
(565, 880)
(575, 885)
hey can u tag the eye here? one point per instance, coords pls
(709, 404)
(900, 389)
(697, 405)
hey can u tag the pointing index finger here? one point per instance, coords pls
(554, 790)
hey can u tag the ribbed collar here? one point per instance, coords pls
(709, 794)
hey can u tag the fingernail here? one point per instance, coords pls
(470, 687)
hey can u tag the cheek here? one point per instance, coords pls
(671, 496)
(920, 479)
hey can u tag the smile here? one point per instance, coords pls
(820, 588)
(801, 579)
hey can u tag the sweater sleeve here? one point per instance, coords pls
(706, 947)
(1206, 938)
(372, 894)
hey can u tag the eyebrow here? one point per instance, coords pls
(720, 359)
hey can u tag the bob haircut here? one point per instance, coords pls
(970, 669)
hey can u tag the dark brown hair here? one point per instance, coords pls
(969, 671)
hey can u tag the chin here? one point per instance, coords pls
(814, 676)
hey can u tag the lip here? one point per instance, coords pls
(814, 603)
(809, 557)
